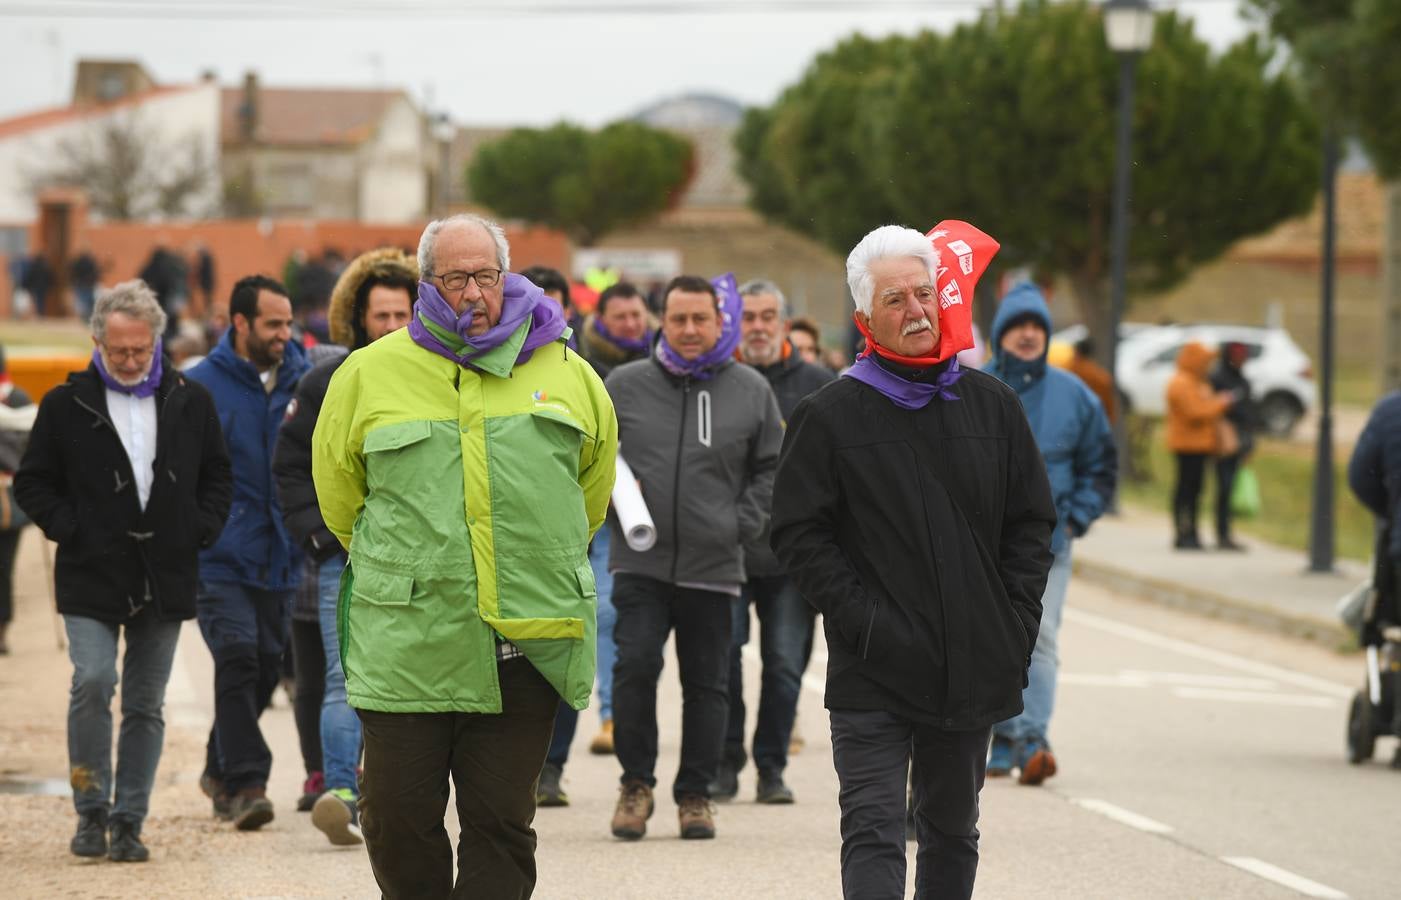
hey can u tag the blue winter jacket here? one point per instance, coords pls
(1066, 417)
(254, 548)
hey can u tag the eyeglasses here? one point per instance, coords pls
(456, 281)
(135, 354)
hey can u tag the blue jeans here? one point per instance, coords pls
(1039, 697)
(340, 727)
(150, 651)
(785, 635)
(607, 617)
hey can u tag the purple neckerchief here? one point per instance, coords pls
(520, 299)
(703, 367)
(633, 346)
(904, 393)
(144, 388)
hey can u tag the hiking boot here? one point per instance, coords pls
(697, 816)
(91, 837)
(250, 809)
(1000, 758)
(548, 791)
(213, 788)
(635, 806)
(726, 784)
(1038, 764)
(126, 843)
(602, 743)
(772, 789)
(338, 817)
(312, 789)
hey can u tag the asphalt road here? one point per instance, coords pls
(1198, 759)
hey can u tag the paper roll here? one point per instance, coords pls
(638, 529)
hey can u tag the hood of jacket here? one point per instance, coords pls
(1195, 359)
(386, 262)
(1022, 301)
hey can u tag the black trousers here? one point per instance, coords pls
(1226, 469)
(648, 610)
(309, 662)
(1186, 496)
(874, 753)
(9, 547)
(493, 760)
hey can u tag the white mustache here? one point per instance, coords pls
(915, 327)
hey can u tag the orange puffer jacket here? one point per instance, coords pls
(1193, 408)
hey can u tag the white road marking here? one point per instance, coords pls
(1123, 816)
(1198, 680)
(1201, 693)
(1305, 886)
(1220, 658)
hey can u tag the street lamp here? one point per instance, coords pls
(1128, 29)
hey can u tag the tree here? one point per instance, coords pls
(583, 183)
(1008, 122)
(128, 171)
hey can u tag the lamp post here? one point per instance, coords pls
(1128, 29)
(1321, 535)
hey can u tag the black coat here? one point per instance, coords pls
(1244, 414)
(291, 465)
(924, 539)
(76, 483)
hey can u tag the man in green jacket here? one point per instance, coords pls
(464, 462)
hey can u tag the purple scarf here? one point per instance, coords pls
(436, 327)
(703, 367)
(635, 347)
(901, 392)
(144, 388)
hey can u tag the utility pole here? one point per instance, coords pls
(1321, 542)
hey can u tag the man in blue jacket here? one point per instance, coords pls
(247, 578)
(1077, 446)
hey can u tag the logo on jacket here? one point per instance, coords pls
(291, 410)
(541, 397)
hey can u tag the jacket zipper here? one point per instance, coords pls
(676, 481)
(870, 623)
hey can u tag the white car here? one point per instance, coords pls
(1279, 372)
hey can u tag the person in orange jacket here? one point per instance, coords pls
(1194, 411)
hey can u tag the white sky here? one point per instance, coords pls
(582, 60)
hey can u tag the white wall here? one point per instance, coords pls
(393, 171)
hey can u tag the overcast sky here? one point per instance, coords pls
(488, 61)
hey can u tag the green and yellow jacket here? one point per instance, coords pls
(466, 500)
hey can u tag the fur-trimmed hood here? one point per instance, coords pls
(343, 313)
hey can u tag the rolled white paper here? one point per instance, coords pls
(638, 529)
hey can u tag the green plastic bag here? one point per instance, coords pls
(1245, 494)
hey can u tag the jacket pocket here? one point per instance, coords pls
(393, 437)
(381, 588)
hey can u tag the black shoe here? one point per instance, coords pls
(250, 809)
(213, 788)
(91, 838)
(126, 844)
(1226, 543)
(772, 790)
(1188, 542)
(726, 783)
(549, 792)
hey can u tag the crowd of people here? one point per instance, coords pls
(414, 505)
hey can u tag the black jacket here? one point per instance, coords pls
(291, 464)
(1244, 413)
(76, 483)
(792, 379)
(923, 537)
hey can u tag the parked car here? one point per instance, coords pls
(1280, 373)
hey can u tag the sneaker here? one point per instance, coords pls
(726, 784)
(548, 791)
(91, 837)
(1038, 764)
(697, 816)
(312, 789)
(772, 790)
(338, 817)
(635, 807)
(602, 743)
(250, 809)
(126, 843)
(213, 788)
(1000, 758)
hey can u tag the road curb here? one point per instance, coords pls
(1330, 633)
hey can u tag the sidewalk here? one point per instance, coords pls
(1267, 587)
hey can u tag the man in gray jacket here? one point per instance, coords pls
(702, 435)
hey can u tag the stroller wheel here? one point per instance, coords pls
(1361, 739)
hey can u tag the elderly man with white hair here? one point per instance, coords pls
(127, 471)
(912, 509)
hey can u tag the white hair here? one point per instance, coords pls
(130, 298)
(885, 242)
(429, 240)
